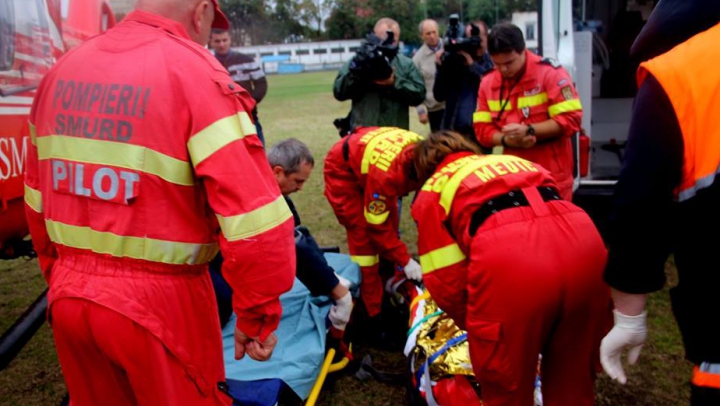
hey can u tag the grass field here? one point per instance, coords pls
(302, 106)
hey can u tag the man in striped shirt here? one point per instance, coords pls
(243, 70)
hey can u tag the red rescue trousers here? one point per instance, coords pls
(363, 252)
(159, 346)
(535, 287)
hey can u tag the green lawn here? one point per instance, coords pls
(302, 106)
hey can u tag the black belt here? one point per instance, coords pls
(513, 198)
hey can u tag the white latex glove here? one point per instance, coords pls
(340, 312)
(629, 333)
(343, 281)
(413, 270)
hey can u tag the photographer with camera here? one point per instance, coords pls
(381, 83)
(460, 68)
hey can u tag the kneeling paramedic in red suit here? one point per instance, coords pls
(365, 174)
(516, 266)
(129, 181)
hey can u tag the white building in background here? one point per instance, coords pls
(528, 23)
(302, 56)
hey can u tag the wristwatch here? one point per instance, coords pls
(530, 130)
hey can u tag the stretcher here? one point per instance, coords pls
(300, 355)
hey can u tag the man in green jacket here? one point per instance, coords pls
(382, 102)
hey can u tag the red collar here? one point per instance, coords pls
(531, 62)
(155, 20)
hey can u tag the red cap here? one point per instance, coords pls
(220, 20)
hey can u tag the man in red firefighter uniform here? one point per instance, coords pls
(129, 181)
(516, 266)
(529, 106)
(365, 174)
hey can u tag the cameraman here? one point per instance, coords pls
(460, 67)
(381, 101)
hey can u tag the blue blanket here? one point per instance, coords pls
(300, 351)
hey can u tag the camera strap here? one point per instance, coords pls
(504, 102)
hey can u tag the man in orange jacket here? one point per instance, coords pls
(129, 180)
(365, 174)
(529, 106)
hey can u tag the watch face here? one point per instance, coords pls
(531, 130)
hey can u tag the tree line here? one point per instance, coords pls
(257, 22)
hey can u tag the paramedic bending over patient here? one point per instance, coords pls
(365, 174)
(516, 266)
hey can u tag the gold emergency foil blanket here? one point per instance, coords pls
(433, 334)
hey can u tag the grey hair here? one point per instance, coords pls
(289, 154)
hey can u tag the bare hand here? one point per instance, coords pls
(241, 342)
(468, 58)
(515, 130)
(438, 57)
(261, 351)
(423, 117)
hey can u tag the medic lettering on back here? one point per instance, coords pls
(94, 181)
(98, 110)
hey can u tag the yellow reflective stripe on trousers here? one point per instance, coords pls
(532, 101)
(482, 117)
(494, 105)
(564, 107)
(375, 219)
(219, 134)
(33, 198)
(33, 133)
(119, 154)
(370, 147)
(441, 258)
(365, 260)
(148, 249)
(255, 222)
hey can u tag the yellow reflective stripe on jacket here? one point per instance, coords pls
(482, 117)
(119, 154)
(494, 105)
(219, 134)
(33, 133)
(440, 258)
(365, 260)
(532, 101)
(255, 222)
(33, 198)
(447, 194)
(148, 249)
(376, 219)
(370, 147)
(564, 107)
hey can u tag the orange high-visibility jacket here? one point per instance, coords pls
(691, 90)
(365, 175)
(545, 91)
(143, 153)
(444, 207)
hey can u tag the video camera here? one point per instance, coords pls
(372, 61)
(455, 39)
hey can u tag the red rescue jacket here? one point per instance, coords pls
(143, 153)
(461, 184)
(365, 174)
(545, 91)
